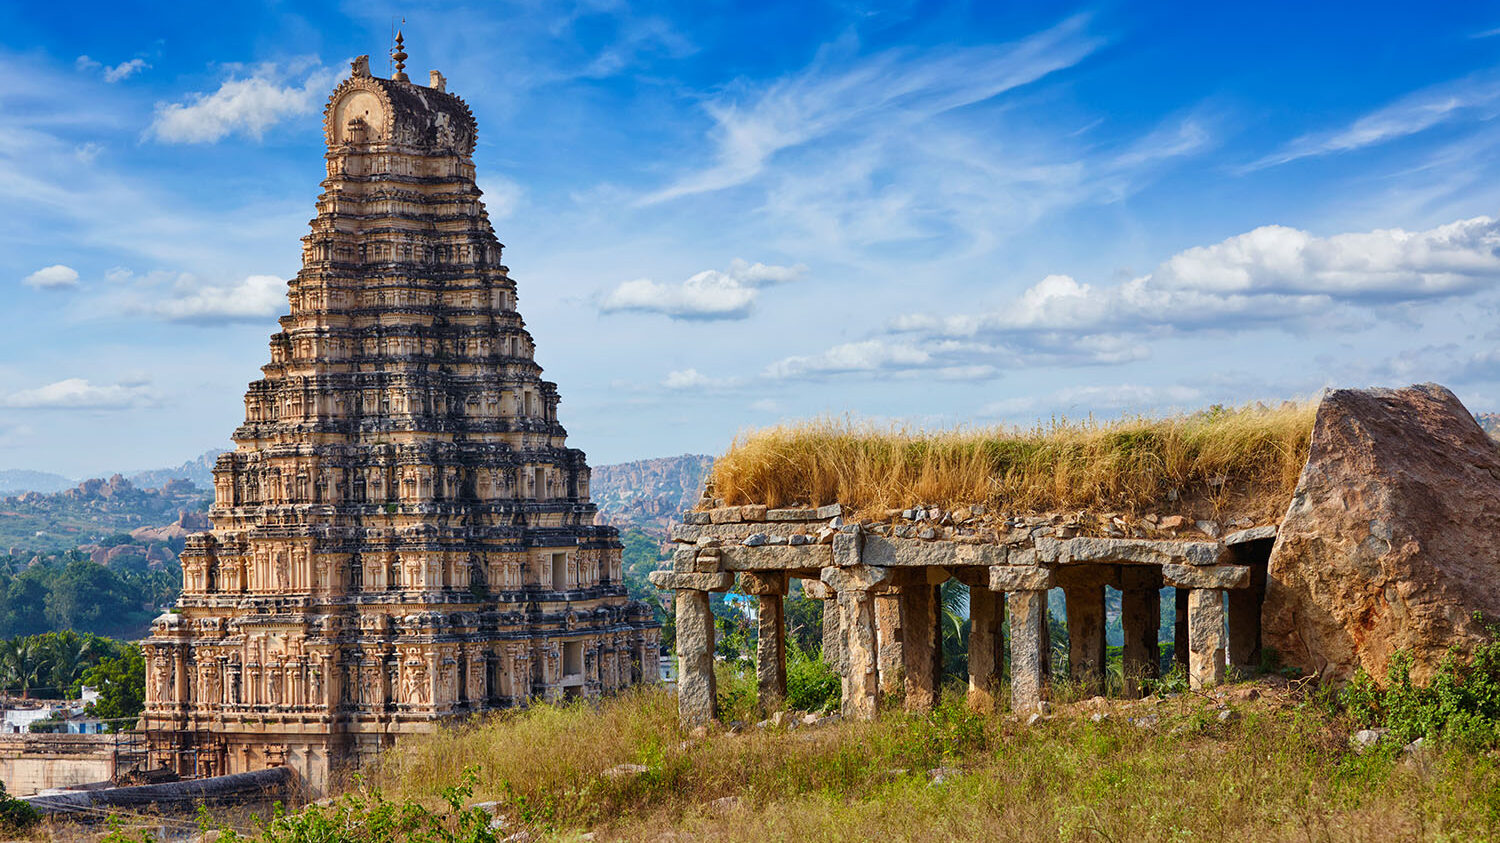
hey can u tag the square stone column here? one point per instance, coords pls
(1140, 618)
(697, 688)
(986, 646)
(1028, 648)
(857, 606)
(770, 647)
(1086, 636)
(888, 640)
(1205, 637)
(1244, 618)
(920, 643)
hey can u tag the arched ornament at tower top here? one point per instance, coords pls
(368, 109)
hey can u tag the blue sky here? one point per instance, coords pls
(721, 215)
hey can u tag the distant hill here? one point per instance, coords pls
(93, 511)
(14, 481)
(200, 471)
(649, 494)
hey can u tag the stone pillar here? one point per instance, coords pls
(888, 639)
(1180, 630)
(986, 646)
(697, 691)
(920, 643)
(1026, 603)
(1205, 637)
(770, 647)
(1140, 617)
(697, 694)
(1086, 636)
(1244, 618)
(1028, 648)
(861, 679)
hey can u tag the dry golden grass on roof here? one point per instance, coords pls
(1244, 461)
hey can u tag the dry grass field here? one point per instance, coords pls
(1210, 461)
(1275, 767)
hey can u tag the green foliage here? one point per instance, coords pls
(1174, 681)
(804, 620)
(811, 683)
(121, 681)
(52, 664)
(1460, 705)
(72, 592)
(361, 818)
(16, 814)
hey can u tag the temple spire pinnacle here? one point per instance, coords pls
(399, 55)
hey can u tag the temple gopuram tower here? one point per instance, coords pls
(401, 534)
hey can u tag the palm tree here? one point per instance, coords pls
(953, 610)
(23, 663)
(69, 654)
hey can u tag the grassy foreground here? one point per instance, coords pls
(1217, 458)
(1275, 768)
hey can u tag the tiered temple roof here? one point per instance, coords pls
(401, 533)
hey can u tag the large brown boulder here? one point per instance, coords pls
(1392, 540)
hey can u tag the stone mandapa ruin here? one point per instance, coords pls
(1389, 544)
(401, 534)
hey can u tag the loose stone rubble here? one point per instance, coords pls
(880, 580)
(401, 534)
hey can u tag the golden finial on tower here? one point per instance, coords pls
(399, 54)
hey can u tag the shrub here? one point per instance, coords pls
(1460, 705)
(16, 814)
(811, 684)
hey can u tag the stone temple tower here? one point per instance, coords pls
(401, 534)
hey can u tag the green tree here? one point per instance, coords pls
(23, 611)
(23, 664)
(121, 681)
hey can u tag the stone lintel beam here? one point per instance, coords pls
(904, 553)
(765, 583)
(856, 578)
(848, 548)
(1021, 578)
(1253, 534)
(1128, 551)
(698, 582)
(775, 557)
(1213, 576)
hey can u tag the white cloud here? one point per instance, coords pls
(502, 196)
(893, 86)
(256, 297)
(863, 356)
(1081, 400)
(248, 106)
(124, 70)
(84, 63)
(79, 394)
(709, 294)
(52, 277)
(686, 379)
(1475, 96)
(1270, 274)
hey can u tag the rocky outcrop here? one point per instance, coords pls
(649, 493)
(1392, 539)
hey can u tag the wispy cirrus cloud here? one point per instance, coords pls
(887, 92)
(1475, 97)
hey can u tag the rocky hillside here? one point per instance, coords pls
(93, 511)
(649, 494)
